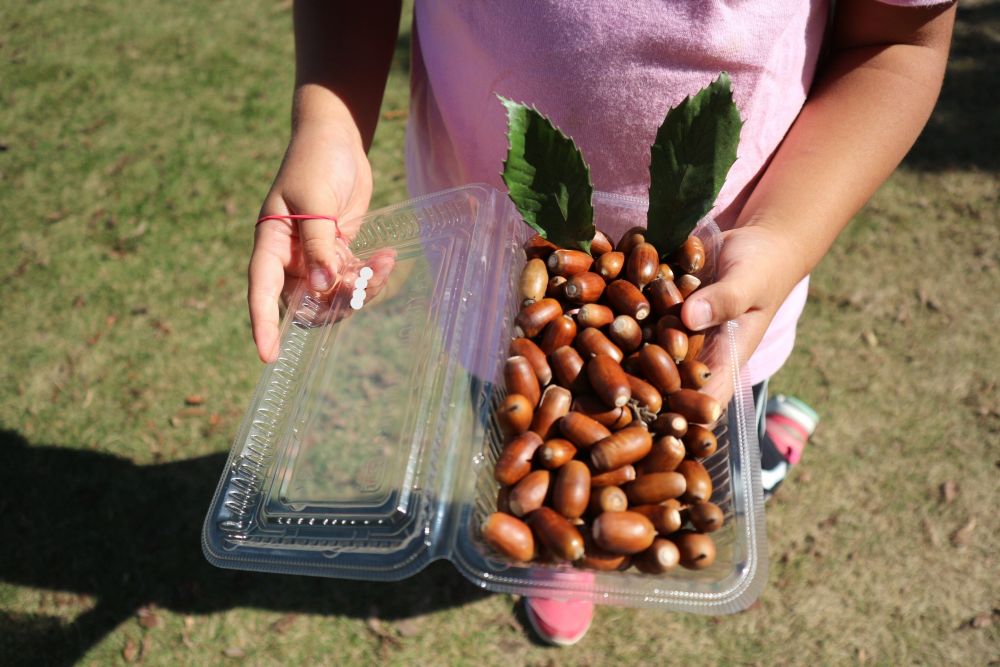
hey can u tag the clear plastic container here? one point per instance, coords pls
(368, 449)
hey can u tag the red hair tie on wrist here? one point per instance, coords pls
(305, 217)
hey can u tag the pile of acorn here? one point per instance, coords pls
(604, 424)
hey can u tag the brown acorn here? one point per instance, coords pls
(700, 441)
(525, 347)
(571, 492)
(608, 380)
(674, 341)
(509, 536)
(665, 455)
(538, 247)
(654, 488)
(694, 374)
(621, 448)
(664, 271)
(705, 517)
(663, 296)
(690, 257)
(608, 499)
(670, 423)
(593, 407)
(615, 477)
(532, 319)
(626, 333)
(623, 532)
(698, 483)
(687, 284)
(515, 459)
(594, 315)
(600, 244)
(695, 344)
(661, 556)
(591, 342)
(564, 262)
(630, 364)
(533, 280)
(584, 287)
(554, 404)
(529, 494)
(596, 558)
(520, 378)
(554, 290)
(642, 264)
(626, 299)
(556, 533)
(632, 238)
(696, 407)
(581, 430)
(503, 495)
(560, 331)
(666, 517)
(555, 453)
(659, 369)
(697, 549)
(645, 394)
(609, 265)
(514, 415)
(567, 368)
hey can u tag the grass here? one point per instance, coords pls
(137, 144)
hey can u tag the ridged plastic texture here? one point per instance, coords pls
(368, 448)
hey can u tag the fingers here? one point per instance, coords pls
(266, 276)
(323, 252)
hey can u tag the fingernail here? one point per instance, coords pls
(701, 314)
(319, 279)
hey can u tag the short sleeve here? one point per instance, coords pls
(916, 3)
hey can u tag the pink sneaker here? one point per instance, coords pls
(557, 622)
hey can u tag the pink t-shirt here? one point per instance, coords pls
(606, 73)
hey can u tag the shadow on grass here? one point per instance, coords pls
(129, 535)
(963, 132)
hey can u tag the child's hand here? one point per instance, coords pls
(757, 269)
(325, 172)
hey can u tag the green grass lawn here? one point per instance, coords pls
(136, 142)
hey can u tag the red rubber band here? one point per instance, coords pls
(332, 219)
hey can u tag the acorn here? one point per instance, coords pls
(690, 257)
(515, 459)
(560, 331)
(556, 533)
(503, 495)
(520, 378)
(537, 247)
(663, 296)
(594, 315)
(626, 299)
(630, 364)
(509, 536)
(584, 287)
(525, 347)
(669, 423)
(609, 265)
(534, 279)
(626, 446)
(695, 344)
(696, 407)
(596, 558)
(567, 368)
(645, 394)
(564, 262)
(532, 319)
(555, 453)
(623, 532)
(661, 556)
(655, 487)
(625, 333)
(694, 374)
(687, 284)
(608, 499)
(659, 369)
(571, 491)
(554, 404)
(529, 494)
(615, 477)
(581, 430)
(642, 264)
(700, 441)
(514, 415)
(697, 549)
(632, 238)
(664, 271)
(608, 380)
(705, 517)
(665, 455)
(674, 341)
(698, 483)
(592, 342)
(600, 245)
(554, 289)
(666, 517)
(593, 407)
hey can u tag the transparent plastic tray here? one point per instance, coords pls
(368, 448)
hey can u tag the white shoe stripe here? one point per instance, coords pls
(770, 478)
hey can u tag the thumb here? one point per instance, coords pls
(720, 302)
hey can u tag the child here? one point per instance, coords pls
(830, 106)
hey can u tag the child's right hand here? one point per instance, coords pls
(325, 172)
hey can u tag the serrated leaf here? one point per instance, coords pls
(694, 150)
(547, 178)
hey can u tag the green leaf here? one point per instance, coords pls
(694, 149)
(547, 178)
